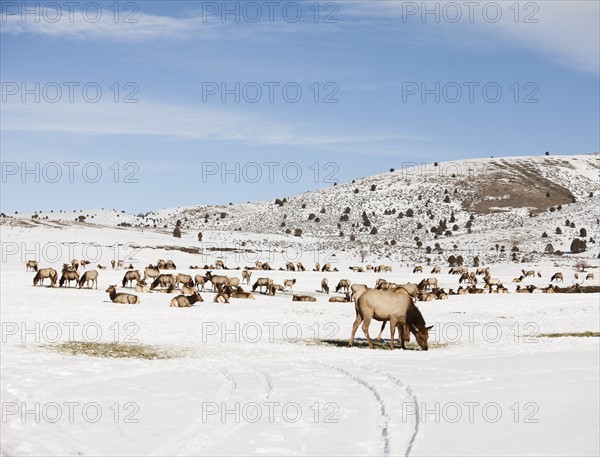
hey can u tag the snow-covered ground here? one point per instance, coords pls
(271, 377)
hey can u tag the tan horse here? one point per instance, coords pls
(68, 276)
(246, 275)
(304, 298)
(130, 277)
(46, 273)
(185, 280)
(239, 293)
(398, 309)
(121, 299)
(200, 281)
(31, 265)
(89, 278)
(218, 282)
(410, 289)
(151, 272)
(183, 301)
(267, 283)
(164, 281)
(428, 284)
(289, 284)
(343, 285)
(325, 286)
(345, 299)
(557, 277)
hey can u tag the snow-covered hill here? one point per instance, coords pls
(506, 208)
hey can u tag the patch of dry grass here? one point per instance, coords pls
(570, 334)
(115, 350)
(382, 345)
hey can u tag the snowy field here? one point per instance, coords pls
(273, 377)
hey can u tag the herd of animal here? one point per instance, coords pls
(385, 301)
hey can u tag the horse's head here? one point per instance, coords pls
(422, 336)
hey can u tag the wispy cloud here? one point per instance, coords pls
(137, 27)
(565, 32)
(178, 122)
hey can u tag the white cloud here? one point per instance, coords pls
(188, 123)
(566, 32)
(77, 24)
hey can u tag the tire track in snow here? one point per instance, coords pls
(178, 443)
(408, 389)
(187, 442)
(385, 418)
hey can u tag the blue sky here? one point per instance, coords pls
(369, 58)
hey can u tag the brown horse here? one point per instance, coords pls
(183, 301)
(44, 273)
(89, 278)
(122, 299)
(68, 276)
(130, 277)
(398, 309)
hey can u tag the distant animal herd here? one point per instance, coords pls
(386, 301)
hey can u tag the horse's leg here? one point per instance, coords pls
(365, 327)
(357, 322)
(381, 331)
(393, 324)
(402, 329)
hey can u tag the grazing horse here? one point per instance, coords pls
(185, 280)
(317, 267)
(289, 266)
(300, 267)
(246, 275)
(418, 269)
(429, 283)
(44, 273)
(490, 282)
(121, 299)
(218, 282)
(557, 277)
(165, 281)
(89, 278)
(325, 286)
(289, 284)
(31, 265)
(267, 283)
(200, 281)
(151, 272)
(436, 270)
(326, 267)
(68, 276)
(130, 277)
(410, 289)
(343, 285)
(398, 309)
(528, 273)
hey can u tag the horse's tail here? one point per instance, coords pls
(36, 278)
